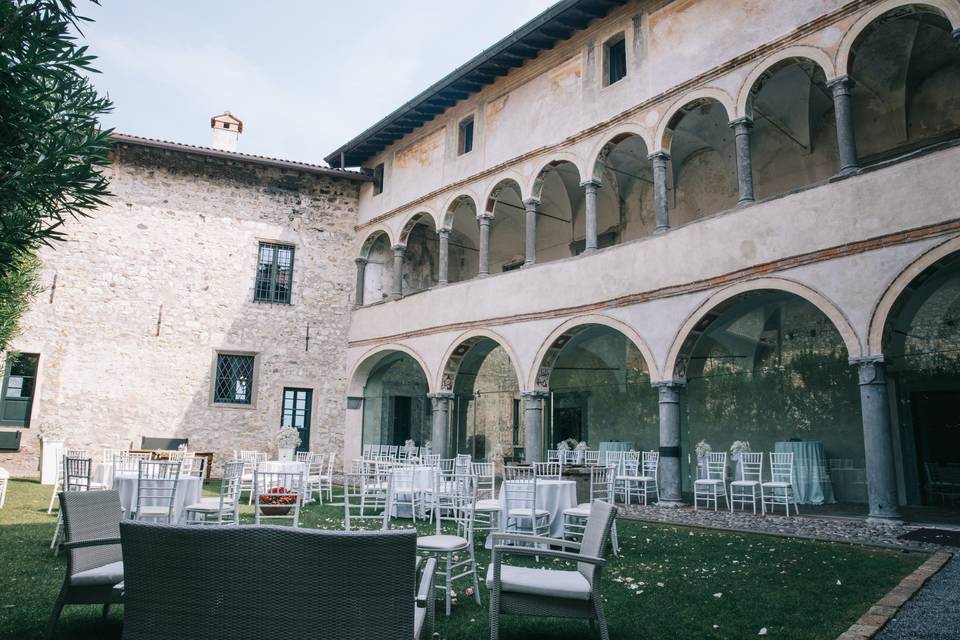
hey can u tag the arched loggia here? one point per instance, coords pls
(395, 403)
(503, 217)
(463, 240)
(554, 214)
(624, 188)
(421, 257)
(374, 269)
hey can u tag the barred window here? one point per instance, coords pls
(234, 383)
(274, 273)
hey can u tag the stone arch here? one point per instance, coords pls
(948, 9)
(413, 220)
(504, 182)
(366, 363)
(535, 187)
(363, 249)
(896, 288)
(694, 324)
(539, 376)
(770, 65)
(461, 347)
(679, 108)
(610, 139)
(450, 206)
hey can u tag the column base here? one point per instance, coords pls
(848, 171)
(587, 252)
(669, 504)
(888, 521)
(746, 203)
(396, 296)
(660, 230)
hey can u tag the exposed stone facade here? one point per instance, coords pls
(144, 293)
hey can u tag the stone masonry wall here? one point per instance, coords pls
(153, 285)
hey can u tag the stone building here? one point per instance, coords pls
(210, 300)
(677, 221)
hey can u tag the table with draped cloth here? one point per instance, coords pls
(553, 496)
(422, 484)
(812, 483)
(613, 446)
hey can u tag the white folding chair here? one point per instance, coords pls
(601, 488)
(278, 496)
(746, 490)
(326, 478)
(402, 490)
(639, 478)
(355, 512)
(547, 470)
(520, 501)
(313, 475)
(156, 490)
(223, 509)
(553, 455)
(780, 488)
(714, 486)
(367, 450)
(250, 461)
(591, 457)
(487, 507)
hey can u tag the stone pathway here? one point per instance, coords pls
(812, 527)
(932, 614)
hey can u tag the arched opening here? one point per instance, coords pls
(922, 340)
(600, 391)
(507, 231)
(422, 258)
(486, 411)
(464, 243)
(770, 368)
(625, 208)
(561, 231)
(704, 176)
(378, 270)
(395, 403)
(794, 139)
(906, 69)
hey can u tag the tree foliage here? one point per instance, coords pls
(52, 149)
(17, 288)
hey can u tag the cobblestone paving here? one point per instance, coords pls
(820, 528)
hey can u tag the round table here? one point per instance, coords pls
(102, 473)
(553, 496)
(422, 482)
(189, 489)
(811, 480)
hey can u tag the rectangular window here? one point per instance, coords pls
(16, 395)
(616, 59)
(234, 382)
(274, 273)
(378, 179)
(465, 143)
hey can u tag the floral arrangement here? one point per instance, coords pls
(275, 495)
(568, 445)
(288, 438)
(428, 445)
(738, 447)
(409, 444)
(582, 446)
(703, 449)
(51, 430)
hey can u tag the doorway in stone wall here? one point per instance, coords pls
(295, 412)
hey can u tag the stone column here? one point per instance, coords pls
(670, 479)
(877, 439)
(444, 255)
(659, 160)
(441, 420)
(842, 88)
(484, 220)
(590, 205)
(398, 252)
(533, 425)
(741, 130)
(361, 273)
(531, 206)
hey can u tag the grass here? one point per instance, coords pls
(669, 582)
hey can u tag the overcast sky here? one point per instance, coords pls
(305, 76)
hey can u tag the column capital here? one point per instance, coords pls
(841, 84)
(538, 394)
(484, 217)
(361, 262)
(659, 155)
(399, 249)
(441, 395)
(742, 123)
(669, 392)
(592, 182)
(872, 370)
(531, 203)
(443, 232)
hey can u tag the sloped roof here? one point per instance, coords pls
(557, 23)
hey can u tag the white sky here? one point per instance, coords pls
(304, 76)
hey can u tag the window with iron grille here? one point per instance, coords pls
(274, 273)
(234, 382)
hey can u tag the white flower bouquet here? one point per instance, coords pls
(288, 438)
(703, 449)
(563, 446)
(409, 444)
(51, 430)
(738, 447)
(582, 446)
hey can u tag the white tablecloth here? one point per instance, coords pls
(553, 496)
(102, 473)
(189, 489)
(422, 481)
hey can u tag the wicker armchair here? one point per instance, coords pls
(91, 521)
(551, 592)
(273, 582)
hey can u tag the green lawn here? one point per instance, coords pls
(670, 582)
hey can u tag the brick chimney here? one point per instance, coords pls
(226, 131)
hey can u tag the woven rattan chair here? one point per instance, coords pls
(551, 592)
(91, 522)
(348, 586)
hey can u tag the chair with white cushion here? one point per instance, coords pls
(355, 512)
(250, 461)
(601, 488)
(547, 470)
(487, 507)
(746, 490)
(780, 488)
(521, 514)
(710, 489)
(459, 512)
(222, 509)
(312, 474)
(574, 593)
(403, 490)
(326, 478)
(156, 490)
(591, 457)
(639, 478)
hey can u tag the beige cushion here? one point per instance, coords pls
(580, 511)
(744, 483)
(708, 482)
(541, 582)
(108, 574)
(487, 505)
(441, 543)
(636, 478)
(777, 485)
(526, 513)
